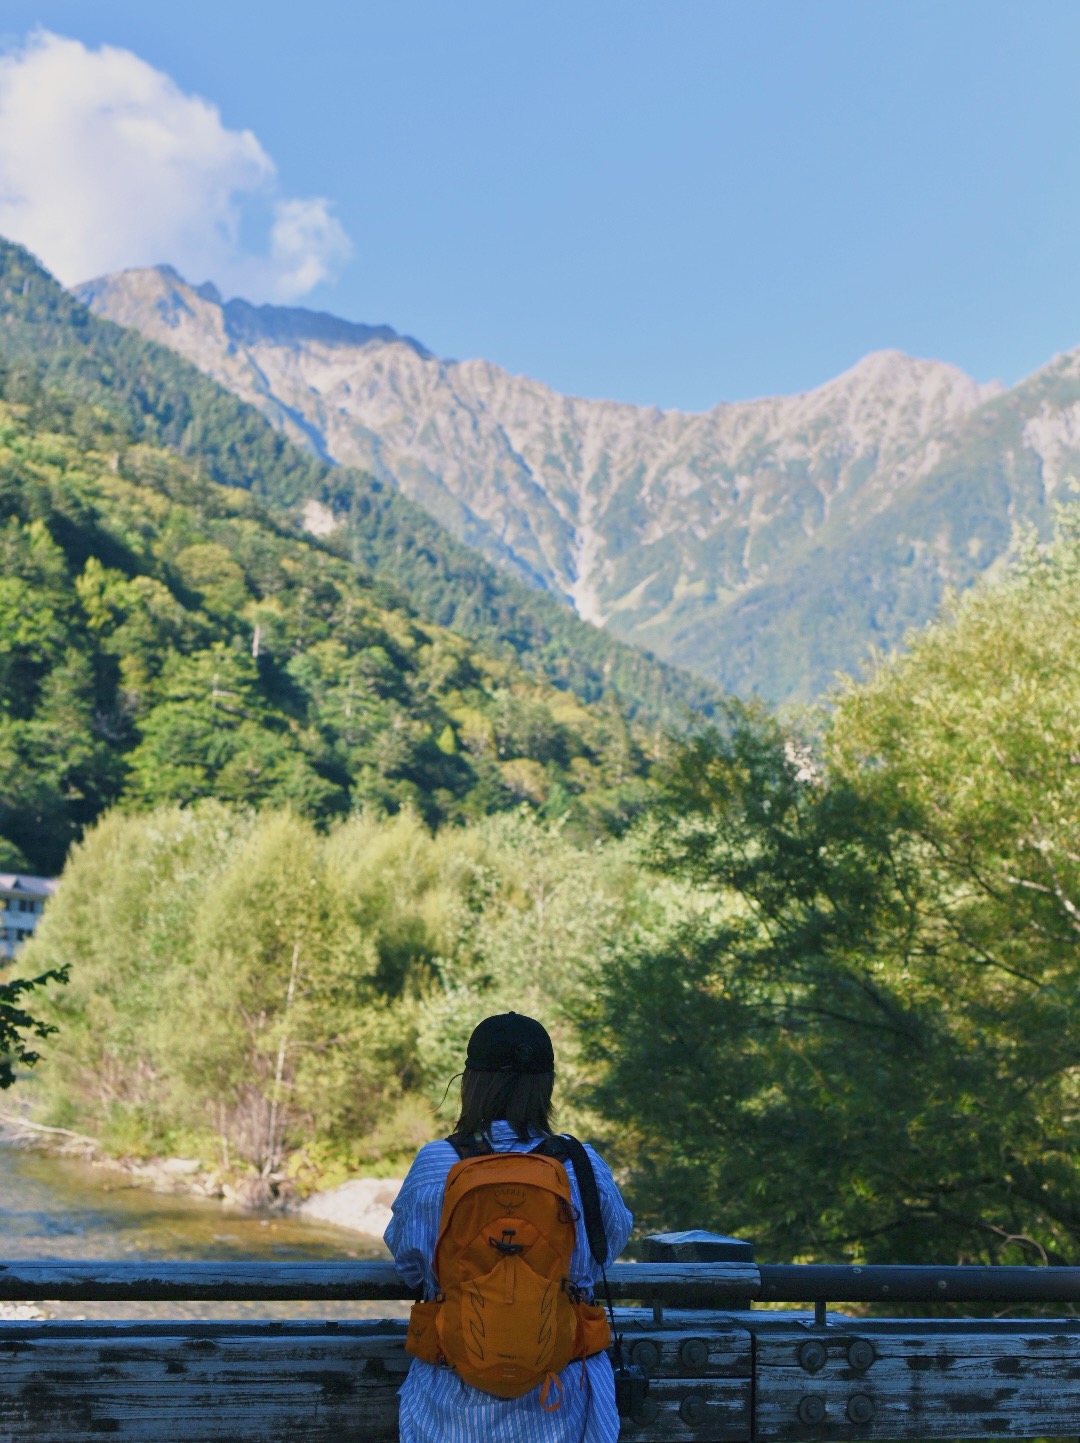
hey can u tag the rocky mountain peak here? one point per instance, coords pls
(663, 526)
(179, 305)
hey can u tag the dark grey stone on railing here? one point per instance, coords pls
(697, 1246)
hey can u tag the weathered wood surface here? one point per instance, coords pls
(142, 1282)
(202, 1383)
(701, 1284)
(725, 1378)
(307, 1382)
(706, 1283)
(706, 1409)
(900, 1379)
(717, 1376)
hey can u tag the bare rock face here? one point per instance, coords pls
(362, 1203)
(694, 535)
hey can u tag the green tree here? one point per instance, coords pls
(283, 1000)
(124, 917)
(18, 1027)
(859, 1036)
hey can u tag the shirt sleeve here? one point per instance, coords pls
(618, 1219)
(414, 1226)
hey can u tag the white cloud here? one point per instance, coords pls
(105, 164)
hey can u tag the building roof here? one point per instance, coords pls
(31, 886)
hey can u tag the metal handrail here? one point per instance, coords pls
(901, 1283)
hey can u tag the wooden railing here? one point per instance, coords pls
(720, 1370)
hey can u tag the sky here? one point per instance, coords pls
(670, 202)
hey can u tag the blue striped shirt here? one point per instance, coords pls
(436, 1406)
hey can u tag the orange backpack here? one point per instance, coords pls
(507, 1317)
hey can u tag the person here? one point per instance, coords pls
(506, 1090)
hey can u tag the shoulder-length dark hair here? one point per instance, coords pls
(523, 1099)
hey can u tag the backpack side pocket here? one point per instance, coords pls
(593, 1330)
(422, 1339)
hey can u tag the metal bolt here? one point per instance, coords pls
(692, 1410)
(811, 1409)
(693, 1352)
(812, 1356)
(861, 1354)
(860, 1408)
(647, 1411)
(645, 1354)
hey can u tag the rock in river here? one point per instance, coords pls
(362, 1203)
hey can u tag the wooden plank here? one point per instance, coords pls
(305, 1382)
(297, 1383)
(196, 1388)
(702, 1284)
(956, 1379)
(685, 1283)
(707, 1283)
(144, 1281)
(684, 1345)
(711, 1410)
(678, 1351)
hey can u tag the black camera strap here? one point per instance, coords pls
(565, 1146)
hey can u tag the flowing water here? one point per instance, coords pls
(57, 1207)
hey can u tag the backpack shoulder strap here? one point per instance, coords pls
(563, 1147)
(470, 1144)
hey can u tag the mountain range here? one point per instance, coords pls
(170, 634)
(48, 339)
(765, 544)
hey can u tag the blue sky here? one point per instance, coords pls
(673, 203)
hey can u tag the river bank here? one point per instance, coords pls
(68, 1208)
(360, 1205)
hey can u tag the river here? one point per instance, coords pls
(59, 1207)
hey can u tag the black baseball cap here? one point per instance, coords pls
(510, 1042)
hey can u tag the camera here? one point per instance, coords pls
(631, 1389)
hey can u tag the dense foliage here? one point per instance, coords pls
(18, 1027)
(271, 997)
(162, 639)
(825, 996)
(862, 1038)
(48, 337)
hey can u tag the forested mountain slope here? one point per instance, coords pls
(163, 400)
(163, 639)
(764, 544)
